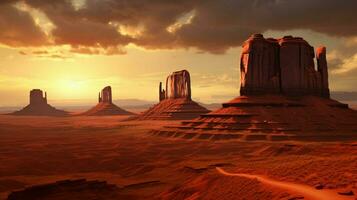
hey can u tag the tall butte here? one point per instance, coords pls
(39, 106)
(105, 105)
(175, 100)
(284, 96)
(282, 66)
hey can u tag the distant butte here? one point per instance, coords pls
(175, 100)
(39, 106)
(284, 96)
(106, 106)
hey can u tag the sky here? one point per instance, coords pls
(74, 48)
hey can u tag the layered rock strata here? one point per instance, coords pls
(283, 97)
(106, 106)
(175, 100)
(283, 66)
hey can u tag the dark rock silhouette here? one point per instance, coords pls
(175, 101)
(39, 106)
(106, 95)
(322, 68)
(36, 97)
(162, 93)
(282, 66)
(70, 189)
(283, 97)
(106, 106)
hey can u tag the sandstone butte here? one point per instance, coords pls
(106, 106)
(175, 100)
(284, 96)
(39, 106)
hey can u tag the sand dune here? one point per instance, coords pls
(307, 191)
(43, 150)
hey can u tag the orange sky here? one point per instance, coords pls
(71, 71)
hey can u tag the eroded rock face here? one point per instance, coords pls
(105, 105)
(260, 66)
(36, 97)
(322, 68)
(282, 66)
(178, 85)
(175, 102)
(161, 92)
(105, 95)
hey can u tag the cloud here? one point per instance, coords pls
(207, 25)
(81, 32)
(18, 29)
(46, 54)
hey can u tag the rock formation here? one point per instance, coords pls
(69, 189)
(175, 100)
(36, 97)
(322, 68)
(39, 106)
(162, 93)
(178, 85)
(282, 66)
(106, 106)
(260, 66)
(106, 95)
(283, 98)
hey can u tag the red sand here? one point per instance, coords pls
(106, 108)
(173, 109)
(307, 191)
(39, 150)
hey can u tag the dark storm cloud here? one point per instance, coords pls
(76, 29)
(17, 28)
(222, 24)
(216, 26)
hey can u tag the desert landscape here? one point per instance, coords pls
(278, 140)
(178, 100)
(44, 150)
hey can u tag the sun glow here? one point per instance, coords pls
(71, 84)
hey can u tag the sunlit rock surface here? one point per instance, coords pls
(284, 96)
(175, 100)
(283, 66)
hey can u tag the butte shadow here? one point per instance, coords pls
(283, 97)
(175, 101)
(106, 106)
(39, 107)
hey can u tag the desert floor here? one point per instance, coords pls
(40, 150)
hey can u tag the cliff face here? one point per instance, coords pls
(162, 92)
(273, 70)
(36, 97)
(282, 66)
(105, 105)
(322, 68)
(178, 85)
(260, 66)
(175, 100)
(105, 95)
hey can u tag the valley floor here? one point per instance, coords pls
(41, 150)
